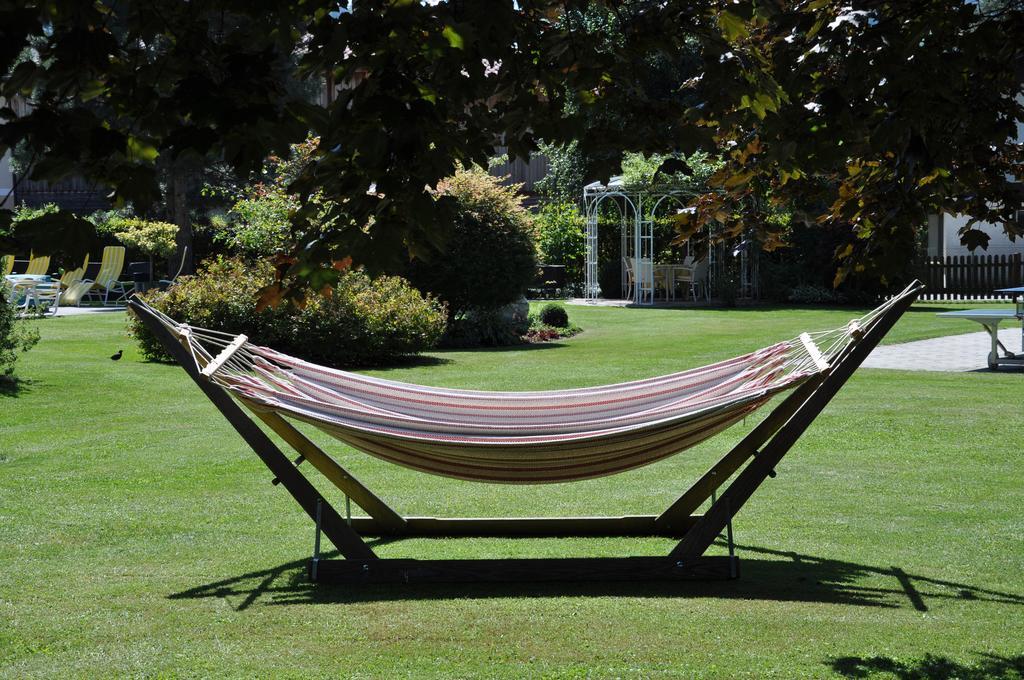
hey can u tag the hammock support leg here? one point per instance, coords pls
(382, 513)
(305, 494)
(702, 535)
(705, 487)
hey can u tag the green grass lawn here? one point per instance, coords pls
(139, 536)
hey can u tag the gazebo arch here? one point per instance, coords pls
(637, 208)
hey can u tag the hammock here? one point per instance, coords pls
(515, 437)
(525, 437)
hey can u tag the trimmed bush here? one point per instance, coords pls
(554, 315)
(490, 259)
(365, 322)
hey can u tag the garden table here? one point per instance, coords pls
(670, 273)
(23, 287)
(990, 320)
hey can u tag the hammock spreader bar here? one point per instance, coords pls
(686, 405)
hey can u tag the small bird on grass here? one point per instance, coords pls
(115, 357)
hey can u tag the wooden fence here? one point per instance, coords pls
(521, 171)
(74, 193)
(970, 277)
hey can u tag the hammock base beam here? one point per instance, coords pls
(522, 527)
(536, 570)
(757, 454)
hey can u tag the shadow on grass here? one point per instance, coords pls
(520, 347)
(990, 667)
(11, 386)
(770, 575)
(409, 361)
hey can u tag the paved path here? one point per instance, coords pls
(953, 353)
(75, 311)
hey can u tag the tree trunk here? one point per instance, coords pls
(179, 212)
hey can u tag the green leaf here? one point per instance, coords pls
(453, 38)
(92, 90)
(21, 78)
(141, 150)
(767, 103)
(733, 28)
(427, 94)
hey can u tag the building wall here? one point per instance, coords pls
(943, 230)
(944, 238)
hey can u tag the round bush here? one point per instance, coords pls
(489, 259)
(364, 322)
(554, 315)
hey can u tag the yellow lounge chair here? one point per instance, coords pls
(37, 266)
(110, 271)
(74, 275)
(76, 292)
(6, 264)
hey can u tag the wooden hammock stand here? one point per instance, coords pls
(757, 454)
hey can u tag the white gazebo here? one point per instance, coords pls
(637, 207)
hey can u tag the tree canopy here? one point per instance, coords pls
(866, 113)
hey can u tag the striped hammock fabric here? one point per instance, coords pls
(515, 437)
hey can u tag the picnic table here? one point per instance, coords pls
(990, 320)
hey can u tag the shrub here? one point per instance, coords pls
(23, 212)
(543, 331)
(554, 315)
(562, 239)
(364, 322)
(15, 240)
(258, 223)
(485, 328)
(106, 223)
(490, 259)
(566, 175)
(149, 237)
(811, 294)
(259, 220)
(15, 337)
